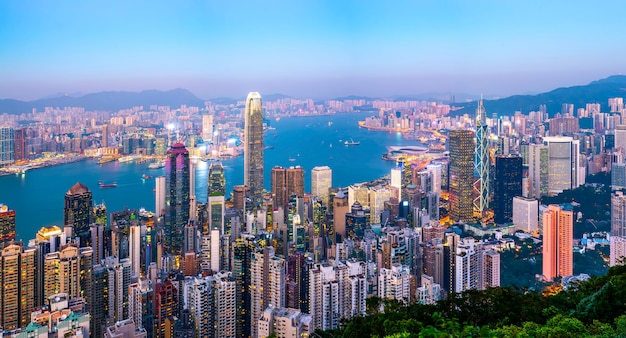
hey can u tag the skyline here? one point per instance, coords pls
(314, 49)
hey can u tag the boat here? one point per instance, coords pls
(145, 177)
(352, 143)
(106, 185)
(156, 165)
(330, 123)
(269, 147)
(291, 159)
(127, 159)
(106, 159)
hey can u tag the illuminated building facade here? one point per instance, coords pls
(7, 224)
(507, 185)
(482, 162)
(6, 146)
(78, 211)
(177, 196)
(461, 175)
(558, 243)
(286, 182)
(253, 148)
(17, 278)
(321, 182)
(564, 170)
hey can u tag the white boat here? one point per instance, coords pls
(156, 165)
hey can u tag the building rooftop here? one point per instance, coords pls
(78, 189)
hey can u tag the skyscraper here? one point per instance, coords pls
(6, 146)
(321, 182)
(558, 233)
(19, 144)
(267, 284)
(78, 211)
(507, 185)
(159, 195)
(565, 171)
(7, 224)
(618, 214)
(215, 200)
(17, 277)
(461, 174)
(538, 170)
(207, 128)
(177, 196)
(286, 182)
(253, 148)
(482, 162)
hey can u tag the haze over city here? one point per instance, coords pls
(317, 49)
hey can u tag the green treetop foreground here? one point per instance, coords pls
(596, 308)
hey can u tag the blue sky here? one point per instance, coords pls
(307, 48)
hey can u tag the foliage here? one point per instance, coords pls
(596, 308)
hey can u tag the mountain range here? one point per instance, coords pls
(595, 92)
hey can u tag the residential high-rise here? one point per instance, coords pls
(6, 146)
(558, 238)
(395, 283)
(207, 128)
(618, 214)
(482, 162)
(267, 284)
(286, 182)
(507, 185)
(461, 175)
(105, 136)
(159, 195)
(211, 301)
(253, 148)
(7, 224)
(17, 277)
(565, 171)
(78, 211)
(321, 182)
(177, 196)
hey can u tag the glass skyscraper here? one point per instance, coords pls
(177, 196)
(78, 211)
(6, 146)
(507, 185)
(253, 148)
(461, 175)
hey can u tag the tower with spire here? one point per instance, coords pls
(481, 162)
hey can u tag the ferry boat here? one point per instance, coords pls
(156, 165)
(127, 159)
(106, 185)
(106, 159)
(291, 159)
(145, 177)
(352, 143)
(269, 147)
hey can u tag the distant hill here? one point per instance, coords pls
(106, 101)
(595, 92)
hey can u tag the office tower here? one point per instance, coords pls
(395, 283)
(461, 175)
(17, 277)
(207, 128)
(356, 222)
(340, 209)
(6, 146)
(242, 262)
(215, 257)
(378, 197)
(78, 211)
(241, 194)
(285, 322)
(538, 170)
(267, 280)
(176, 197)
(435, 170)
(159, 195)
(193, 205)
(558, 233)
(105, 136)
(482, 162)
(19, 144)
(507, 185)
(358, 193)
(525, 214)
(216, 181)
(618, 176)
(286, 182)
(565, 171)
(321, 182)
(396, 183)
(7, 224)
(253, 148)
(620, 138)
(618, 214)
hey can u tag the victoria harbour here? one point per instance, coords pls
(298, 141)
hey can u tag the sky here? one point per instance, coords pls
(307, 48)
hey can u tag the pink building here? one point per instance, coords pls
(558, 233)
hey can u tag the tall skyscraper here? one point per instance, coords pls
(482, 162)
(19, 144)
(177, 196)
(6, 146)
(17, 277)
(507, 185)
(7, 224)
(565, 171)
(215, 200)
(558, 242)
(461, 175)
(286, 182)
(618, 214)
(207, 128)
(105, 136)
(78, 211)
(253, 148)
(321, 182)
(538, 166)
(526, 214)
(159, 195)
